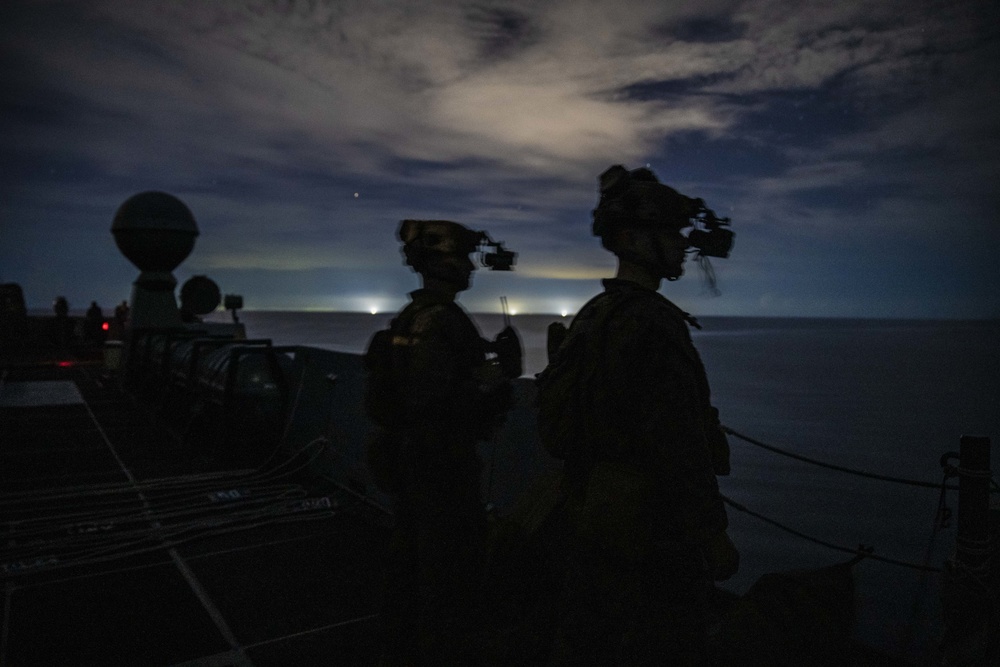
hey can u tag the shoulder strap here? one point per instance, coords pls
(599, 311)
(605, 304)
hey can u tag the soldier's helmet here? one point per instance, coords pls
(636, 198)
(425, 240)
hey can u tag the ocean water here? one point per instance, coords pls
(887, 397)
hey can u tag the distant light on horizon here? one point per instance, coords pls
(370, 303)
(528, 304)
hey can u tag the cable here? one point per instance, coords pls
(867, 554)
(942, 518)
(51, 562)
(291, 415)
(111, 522)
(831, 466)
(312, 449)
(88, 524)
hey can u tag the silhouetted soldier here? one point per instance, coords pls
(93, 323)
(60, 307)
(13, 319)
(118, 322)
(648, 524)
(434, 394)
(63, 325)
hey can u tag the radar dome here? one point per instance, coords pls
(200, 295)
(154, 230)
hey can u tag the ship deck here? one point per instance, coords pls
(123, 548)
(133, 536)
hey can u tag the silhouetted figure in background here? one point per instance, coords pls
(60, 307)
(93, 323)
(116, 330)
(434, 393)
(647, 524)
(63, 326)
(13, 319)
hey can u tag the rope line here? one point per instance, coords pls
(832, 466)
(866, 552)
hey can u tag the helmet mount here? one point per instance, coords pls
(637, 199)
(424, 240)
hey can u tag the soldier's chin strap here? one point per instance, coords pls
(709, 272)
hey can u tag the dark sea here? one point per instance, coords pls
(883, 396)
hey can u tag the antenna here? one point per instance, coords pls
(506, 313)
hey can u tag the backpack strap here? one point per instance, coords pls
(596, 313)
(607, 307)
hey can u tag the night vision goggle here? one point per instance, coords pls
(637, 199)
(447, 237)
(711, 236)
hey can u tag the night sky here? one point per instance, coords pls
(854, 144)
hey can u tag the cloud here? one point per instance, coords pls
(266, 117)
(531, 86)
(812, 176)
(602, 268)
(354, 86)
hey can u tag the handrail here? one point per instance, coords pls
(953, 471)
(862, 551)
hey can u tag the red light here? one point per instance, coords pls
(105, 326)
(65, 364)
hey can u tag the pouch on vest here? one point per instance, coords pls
(574, 361)
(382, 404)
(559, 400)
(614, 508)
